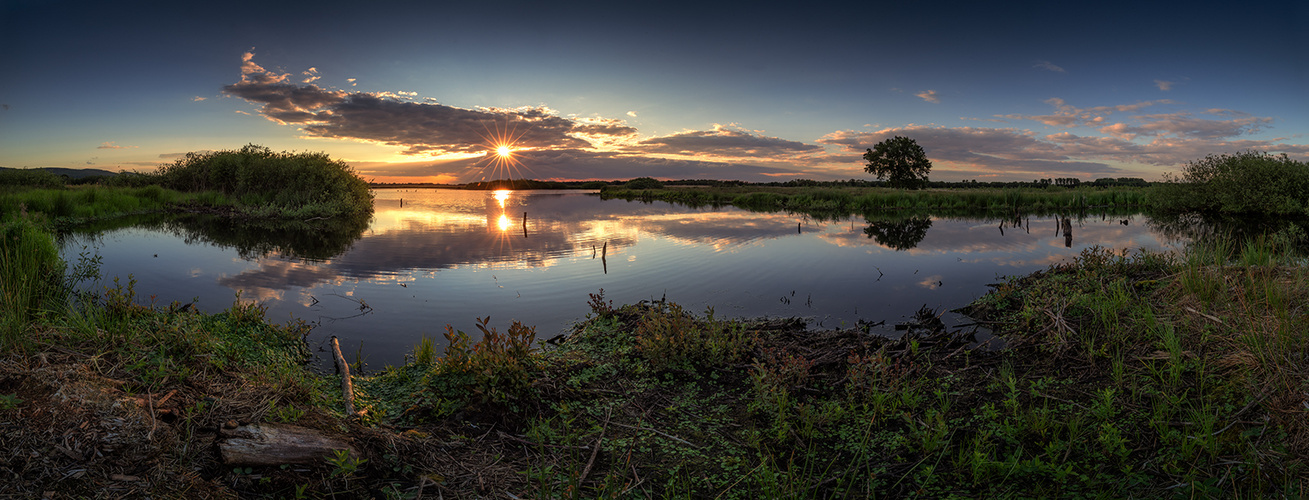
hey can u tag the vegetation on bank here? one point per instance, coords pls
(293, 185)
(252, 182)
(1244, 183)
(1125, 375)
(826, 201)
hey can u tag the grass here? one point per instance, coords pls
(1140, 375)
(844, 201)
(1125, 375)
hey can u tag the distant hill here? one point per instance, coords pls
(74, 173)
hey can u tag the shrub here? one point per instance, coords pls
(301, 184)
(644, 183)
(1243, 183)
(30, 177)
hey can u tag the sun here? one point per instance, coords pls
(501, 159)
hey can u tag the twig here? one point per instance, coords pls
(347, 387)
(1206, 316)
(661, 433)
(587, 470)
(150, 436)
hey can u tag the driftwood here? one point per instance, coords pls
(347, 387)
(277, 444)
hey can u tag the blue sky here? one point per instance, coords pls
(421, 91)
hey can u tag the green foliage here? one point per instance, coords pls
(31, 278)
(1244, 183)
(29, 177)
(669, 337)
(10, 402)
(644, 183)
(298, 185)
(900, 161)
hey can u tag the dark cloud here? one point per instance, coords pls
(420, 127)
(989, 149)
(725, 142)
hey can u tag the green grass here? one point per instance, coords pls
(31, 275)
(845, 201)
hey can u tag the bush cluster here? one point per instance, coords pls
(296, 184)
(1244, 183)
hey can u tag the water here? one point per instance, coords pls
(435, 257)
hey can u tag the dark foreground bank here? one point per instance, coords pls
(1140, 375)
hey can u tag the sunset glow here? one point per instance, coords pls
(994, 93)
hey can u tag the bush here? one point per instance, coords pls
(30, 177)
(296, 184)
(644, 183)
(1244, 183)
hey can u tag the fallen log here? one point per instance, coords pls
(277, 444)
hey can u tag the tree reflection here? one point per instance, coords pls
(898, 234)
(315, 240)
(1208, 229)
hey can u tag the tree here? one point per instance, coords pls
(900, 161)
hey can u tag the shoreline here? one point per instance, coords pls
(1115, 381)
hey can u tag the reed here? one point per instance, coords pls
(854, 200)
(30, 276)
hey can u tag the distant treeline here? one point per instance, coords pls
(1037, 183)
(650, 183)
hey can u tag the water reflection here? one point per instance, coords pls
(434, 257)
(901, 234)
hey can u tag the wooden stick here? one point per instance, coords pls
(347, 387)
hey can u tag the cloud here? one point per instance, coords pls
(5, 106)
(419, 127)
(111, 145)
(1164, 85)
(928, 95)
(631, 114)
(1047, 65)
(724, 141)
(1014, 153)
(311, 75)
(1071, 116)
(1008, 151)
(198, 98)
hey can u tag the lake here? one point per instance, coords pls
(432, 257)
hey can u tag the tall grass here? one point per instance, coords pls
(299, 185)
(30, 276)
(829, 201)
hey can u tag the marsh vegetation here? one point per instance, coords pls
(1126, 373)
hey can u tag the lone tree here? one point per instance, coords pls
(900, 161)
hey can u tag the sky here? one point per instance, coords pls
(429, 91)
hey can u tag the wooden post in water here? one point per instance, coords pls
(524, 224)
(604, 252)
